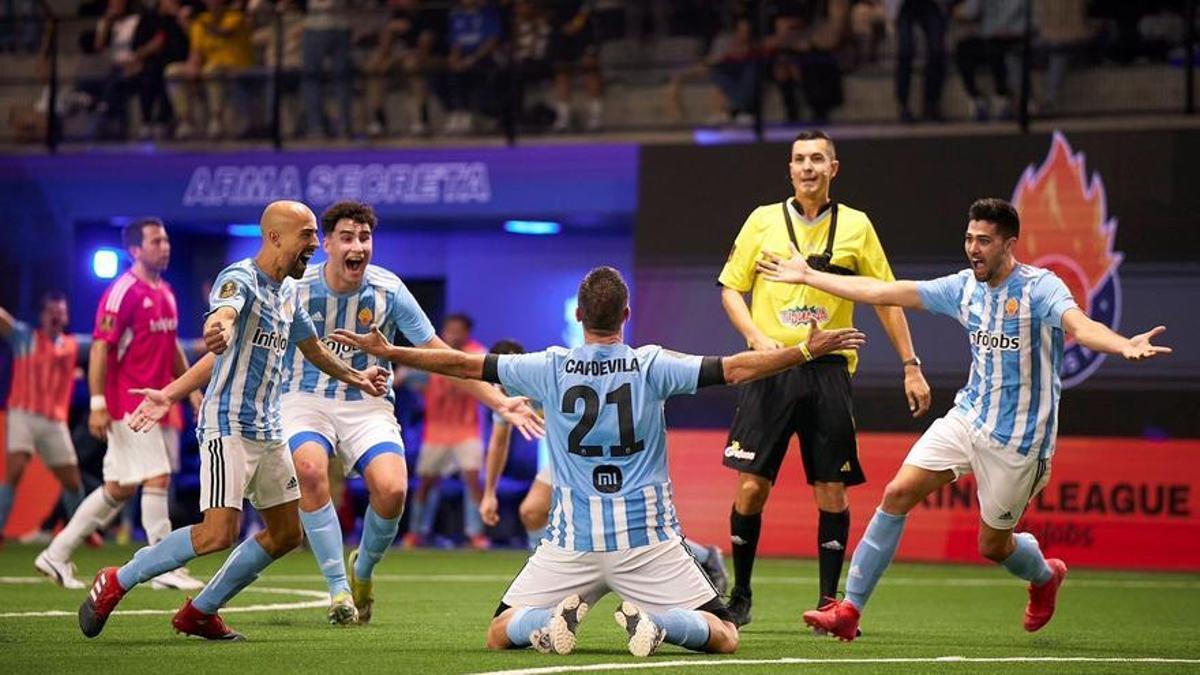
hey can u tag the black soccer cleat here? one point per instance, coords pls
(739, 607)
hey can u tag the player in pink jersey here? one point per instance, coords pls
(134, 346)
(44, 365)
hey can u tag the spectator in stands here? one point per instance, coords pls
(475, 34)
(327, 35)
(868, 28)
(1001, 25)
(531, 37)
(221, 56)
(115, 36)
(930, 17)
(278, 35)
(408, 48)
(158, 42)
(807, 36)
(733, 64)
(1064, 33)
(575, 50)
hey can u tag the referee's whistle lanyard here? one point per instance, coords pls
(822, 262)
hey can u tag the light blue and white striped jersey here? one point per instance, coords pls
(607, 438)
(242, 398)
(382, 299)
(1016, 337)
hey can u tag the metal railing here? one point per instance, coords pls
(716, 68)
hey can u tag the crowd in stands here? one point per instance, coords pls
(344, 68)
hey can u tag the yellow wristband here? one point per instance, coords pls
(804, 350)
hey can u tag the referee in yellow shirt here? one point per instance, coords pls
(812, 400)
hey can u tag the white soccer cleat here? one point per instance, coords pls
(644, 635)
(178, 580)
(61, 573)
(342, 611)
(564, 623)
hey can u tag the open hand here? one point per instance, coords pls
(792, 270)
(1140, 349)
(154, 406)
(822, 342)
(516, 411)
(374, 343)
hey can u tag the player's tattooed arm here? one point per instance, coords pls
(752, 365)
(795, 270)
(1100, 338)
(156, 403)
(373, 380)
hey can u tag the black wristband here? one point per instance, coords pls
(711, 372)
(491, 368)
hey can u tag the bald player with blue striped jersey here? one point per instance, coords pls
(253, 317)
(613, 524)
(1004, 421)
(323, 416)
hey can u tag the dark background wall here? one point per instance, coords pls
(694, 199)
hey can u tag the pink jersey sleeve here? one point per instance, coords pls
(114, 311)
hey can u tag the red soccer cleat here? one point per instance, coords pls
(191, 621)
(1042, 598)
(101, 601)
(837, 617)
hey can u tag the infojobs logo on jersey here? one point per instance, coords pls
(988, 340)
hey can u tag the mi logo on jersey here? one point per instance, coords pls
(607, 478)
(269, 340)
(989, 340)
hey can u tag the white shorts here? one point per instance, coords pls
(442, 460)
(1005, 480)
(355, 430)
(133, 457)
(233, 468)
(658, 578)
(51, 439)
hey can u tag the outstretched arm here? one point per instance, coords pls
(157, 402)
(866, 290)
(1099, 338)
(373, 380)
(752, 365)
(433, 360)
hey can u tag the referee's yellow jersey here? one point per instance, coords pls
(781, 310)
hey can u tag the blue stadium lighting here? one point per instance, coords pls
(243, 230)
(532, 227)
(105, 262)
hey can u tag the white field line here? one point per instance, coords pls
(320, 599)
(968, 582)
(700, 663)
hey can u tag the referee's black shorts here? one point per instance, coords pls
(813, 401)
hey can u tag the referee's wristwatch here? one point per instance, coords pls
(915, 362)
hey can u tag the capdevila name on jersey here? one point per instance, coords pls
(594, 368)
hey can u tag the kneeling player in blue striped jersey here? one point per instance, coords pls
(613, 525)
(1003, 424)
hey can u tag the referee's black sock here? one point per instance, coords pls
(743, 534)
(833, 532)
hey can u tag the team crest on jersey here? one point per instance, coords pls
(1066, 228)
(1011, 307)
(800, 315)
(107, 322)
(227, 290)
(365, 315)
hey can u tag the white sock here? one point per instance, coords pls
(155, 516)
(96, 510)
